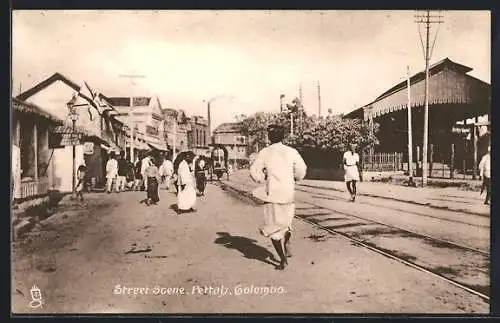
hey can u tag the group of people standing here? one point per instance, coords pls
(149, 173)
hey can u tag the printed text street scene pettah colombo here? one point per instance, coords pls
(250, 162)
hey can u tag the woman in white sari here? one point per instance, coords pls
(186, 198)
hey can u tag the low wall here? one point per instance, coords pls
(325, 174)
(337, 174)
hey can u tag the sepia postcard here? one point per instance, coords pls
(250, 162)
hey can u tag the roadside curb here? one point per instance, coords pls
(401, 200)
(241, 193)
(22, 227)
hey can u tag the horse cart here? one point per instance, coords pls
(219, 162)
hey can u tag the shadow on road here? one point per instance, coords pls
(248, 247)
(179, 211)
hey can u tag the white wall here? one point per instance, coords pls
(63, 165)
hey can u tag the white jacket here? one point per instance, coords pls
(284, 166)
(167, 168)
(485, 166)
(111, 168)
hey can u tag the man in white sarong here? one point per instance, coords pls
(186, 197)
(278, 166)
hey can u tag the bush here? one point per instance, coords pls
(54, 198)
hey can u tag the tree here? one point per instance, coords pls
(255, 126)
(313, 135)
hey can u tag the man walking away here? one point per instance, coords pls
(485, 173)
(278, 166)
(111, 171)
(351, 164)
(122, 173)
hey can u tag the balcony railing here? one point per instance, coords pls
(33, 187)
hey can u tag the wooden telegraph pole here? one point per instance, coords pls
(131, 114)
(427, 19)
(410, 144)
(319, 100)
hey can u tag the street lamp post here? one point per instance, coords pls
(73, 115)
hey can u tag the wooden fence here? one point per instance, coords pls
(382, 162)
(34, 187)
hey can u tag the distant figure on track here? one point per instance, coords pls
(351, 167)
(485, 173)
(278, 166)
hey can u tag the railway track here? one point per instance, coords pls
(460, 265)
(406, 210)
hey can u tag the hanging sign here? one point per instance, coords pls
(88, 148)
(70, 139)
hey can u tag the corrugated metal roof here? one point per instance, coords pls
(449, 84)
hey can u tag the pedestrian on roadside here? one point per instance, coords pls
(121, 179)
(186, 196)
(145, 163)
(166, 172)
(130, 178)
(278, 166)
(81, 173)
(111, 172)
(351, 168)
(485, 174)
(152, 175)
(201, 179)
(138, 174)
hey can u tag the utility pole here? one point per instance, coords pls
(319, 100)
(209, 120)
(427, 19)
(131, 114)
(300, 92)
(299, 108)
(410, 145)
(174, 138)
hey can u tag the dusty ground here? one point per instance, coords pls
(82, 257)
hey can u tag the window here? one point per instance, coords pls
(239, 139)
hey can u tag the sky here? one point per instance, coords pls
(243, 59)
